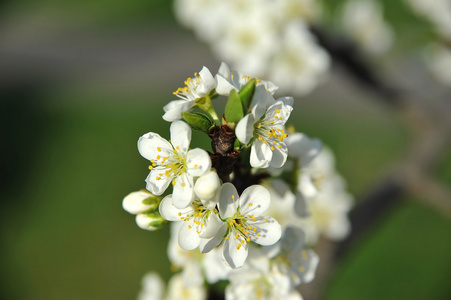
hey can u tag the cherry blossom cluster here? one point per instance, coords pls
(249, 210)
(273, 39)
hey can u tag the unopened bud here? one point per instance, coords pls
(140, 201)
(207, 186)
(150, 221)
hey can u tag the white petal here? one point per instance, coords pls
(198, 162)
(180, 135)
(279, 156)
(228, 200)
(224, 70)
(148, 143)
(173, 110)
(234, 257)
(212, 225)
(262, 97)
(261, 154)
(133, 204)
(207, 186)
(306, 186)
(287, 100)
(188, 237)
(171, 213)
(183, 193)
(206, 245)
(245, 129)
(254, 200)
(223, 87)
(269, 229)
(208, 82)
(157, 187)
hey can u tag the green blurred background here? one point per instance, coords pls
(82, 80)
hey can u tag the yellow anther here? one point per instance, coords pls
(183, 184)
(196, 166)
(179, 214)
(158, 178)
(278, 111)
(173, 182)
(301, 269)
(258, 234)
(177, 147)
(255, 229)
(227, 238)
(272, 148)
(233, 197)
(150, 167)
(237, 236)
(248, 239)
(189, 226)
(266, 220)
(159, 149)
(250, 204)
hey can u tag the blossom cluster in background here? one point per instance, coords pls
(248, 211)
(272, 39)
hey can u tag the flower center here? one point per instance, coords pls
(173, 162)
(269, 131)
(189, 91)
(197, 216)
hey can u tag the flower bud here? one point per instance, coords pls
(207, 186)
(140, 201)
(150, 221)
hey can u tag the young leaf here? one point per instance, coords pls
(234, 109)
(198, 121)
(246, 93)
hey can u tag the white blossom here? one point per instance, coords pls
(255, 281)
(300, 64)
(172, 162)
(267, 130)
(195, 88)
(200, 223)
(244, 222)
(290, 257)
(152, 287)
(363, 21)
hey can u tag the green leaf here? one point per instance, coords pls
(198, 121)
(234, 109)
(246, 93)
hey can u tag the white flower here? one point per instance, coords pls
(205, 17)
(268, 131)
(200, 223)
(190, 262)
(172, 162)
(244, 221)
(363, 20)
(227, 80)
(249, 38)
(152, 287)
(302, 148)
(255, 281)
(290, 257)
(300, 64)
(178, 290)
(149, 221)
(195, 88)
(328, 212)
(133, 202)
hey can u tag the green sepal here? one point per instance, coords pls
(198, 121)
(152, 201)
(246, 93)
(156, 221)
(234, 108)
(237, 145)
